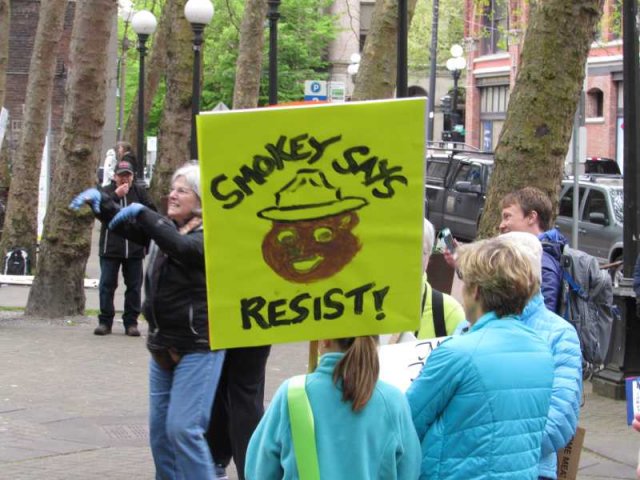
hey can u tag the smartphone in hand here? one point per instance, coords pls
(448, 240)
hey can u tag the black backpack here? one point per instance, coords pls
(16, 262)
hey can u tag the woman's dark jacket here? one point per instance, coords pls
(175, 303)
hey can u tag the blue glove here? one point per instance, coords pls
(91, 196)
(127, 213)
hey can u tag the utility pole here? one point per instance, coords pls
(431, 101)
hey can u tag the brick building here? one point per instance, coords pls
(493, 36)
(24, 22)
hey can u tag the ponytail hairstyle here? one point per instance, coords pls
(358, 370)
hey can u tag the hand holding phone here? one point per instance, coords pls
(449, 242)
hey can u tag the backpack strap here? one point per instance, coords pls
(437, 307)
(302, 429)
(424, 297)
(577, 289)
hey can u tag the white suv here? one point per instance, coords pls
(600, 215)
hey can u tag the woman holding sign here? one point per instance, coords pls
(339, 422)
(184, 372)
(480, 402)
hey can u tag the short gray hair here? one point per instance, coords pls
(528, 245)
(429, 237)
(191, 174)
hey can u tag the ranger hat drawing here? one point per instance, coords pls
(311, 237)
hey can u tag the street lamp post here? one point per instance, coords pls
(403, 28)
(273, 50)
(455, 65)
(198, 13)
(144, 23)
(125, 12)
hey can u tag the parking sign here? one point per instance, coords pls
(315, 90)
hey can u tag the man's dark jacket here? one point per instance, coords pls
(113, 245)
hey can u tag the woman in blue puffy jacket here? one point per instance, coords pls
(481, 401)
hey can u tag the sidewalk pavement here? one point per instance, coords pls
(73, 406)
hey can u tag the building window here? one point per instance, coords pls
(493, 111)
(620, 98)
(595, 103)
(495, 26)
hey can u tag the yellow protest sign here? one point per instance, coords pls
(312, 220)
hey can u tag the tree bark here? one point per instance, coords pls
(5, 14)
(249, 64)
(535, 139)
(376, 77)
(155, 66)
(20, 225)
(58, 288)
(175, 124)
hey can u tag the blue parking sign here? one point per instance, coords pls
(315, 90)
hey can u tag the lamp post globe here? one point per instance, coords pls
(144, 23)
(199, 14)
(456, 50)
(125, 10)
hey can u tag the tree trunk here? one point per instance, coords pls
(175, 124)
(155, 66)
(58, 285)
(250, 51)
(5, 14)
(376, 77)
(535, 139)
(20, 225)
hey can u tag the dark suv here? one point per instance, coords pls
(456, 186)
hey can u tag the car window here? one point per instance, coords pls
(469, 173)
(595, 203)
(436, 171)
(617, 202)
(566, 202)
(606, 167)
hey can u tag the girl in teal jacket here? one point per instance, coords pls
(481, 401)
(363, 427)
